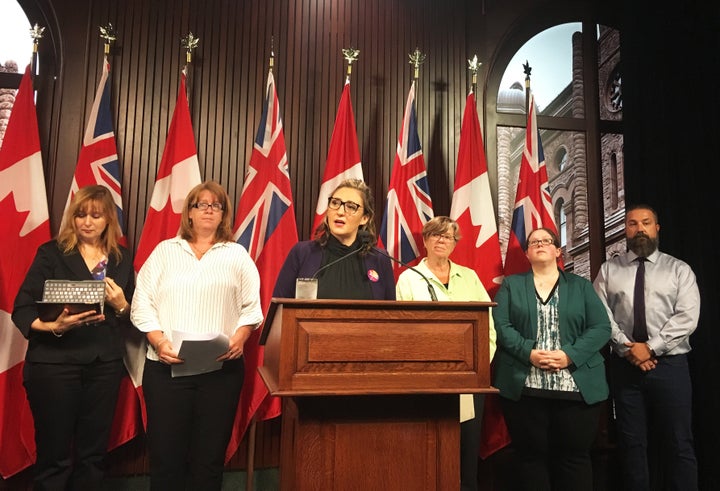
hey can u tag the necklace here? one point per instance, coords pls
(199, 252)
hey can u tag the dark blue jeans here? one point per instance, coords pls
(655, 406)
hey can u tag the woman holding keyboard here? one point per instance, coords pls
(73, 365)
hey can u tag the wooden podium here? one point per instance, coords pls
(371, 390)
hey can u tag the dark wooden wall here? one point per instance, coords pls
(227, 83)
(670, 120)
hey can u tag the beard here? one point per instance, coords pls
(642, 245)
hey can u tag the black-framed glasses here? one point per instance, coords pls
(539, 242)
(445, 237)
(202, 206)
(350, 206)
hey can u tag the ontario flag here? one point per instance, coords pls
(343, 160)
(98, 164)
(472, 208)
(408, 205)
(25, 224)
(98, 160)
(265, 226)
(178, 173)
(533, 203)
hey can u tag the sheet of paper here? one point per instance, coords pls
(199, 352)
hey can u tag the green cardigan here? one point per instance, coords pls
(584, 331)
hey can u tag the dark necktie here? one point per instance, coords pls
(639, 325)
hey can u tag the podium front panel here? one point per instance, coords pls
(377, 347)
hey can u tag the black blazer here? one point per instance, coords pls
(85, 344)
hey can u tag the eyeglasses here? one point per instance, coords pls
(540, 242)
(350, 206)
(204, 206)
(446, 237)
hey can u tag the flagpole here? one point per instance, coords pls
(189, 43)
(474, 67)
(527, 69)
(108, 34)
(417, 58)
(252, 430)
(36, 33)
(350, 54)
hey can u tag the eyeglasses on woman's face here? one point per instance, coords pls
(202, 206)
(351, 207)
(540, 242)
(446, 237)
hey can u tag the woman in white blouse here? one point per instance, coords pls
(198, 285)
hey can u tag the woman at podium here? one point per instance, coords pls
(451, 282)
(341, 261)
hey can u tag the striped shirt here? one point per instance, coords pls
(176, 291)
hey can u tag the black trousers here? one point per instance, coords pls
(189, 425)
(552, 439)
(73, 407)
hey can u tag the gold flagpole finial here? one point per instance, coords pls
(36, 33)
(350, 54)
(108, 34)
(272, 52)
(189, 42)
(416, 59)
(474, 67)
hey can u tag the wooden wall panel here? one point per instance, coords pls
(227, 83)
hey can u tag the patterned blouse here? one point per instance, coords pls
(548, 338)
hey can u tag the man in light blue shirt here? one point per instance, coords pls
(650, 378)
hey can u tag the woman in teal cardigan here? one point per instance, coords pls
(550, 326)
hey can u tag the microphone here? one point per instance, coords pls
(365, 239)
(431, 290)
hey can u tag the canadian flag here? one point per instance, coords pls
(178, 173)
(25, 224)
(472, 208)
(343, 159)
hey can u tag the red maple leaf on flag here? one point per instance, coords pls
(24, 220)
(343, 159)
(178, 173)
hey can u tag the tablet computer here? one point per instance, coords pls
(49, 311)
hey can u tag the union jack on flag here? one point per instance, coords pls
(409, 205)
(265, 226)
(533, 202)
(98, 160)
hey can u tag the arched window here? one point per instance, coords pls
(15, 54)
(564, 61)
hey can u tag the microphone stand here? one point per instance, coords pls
(431, 290)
